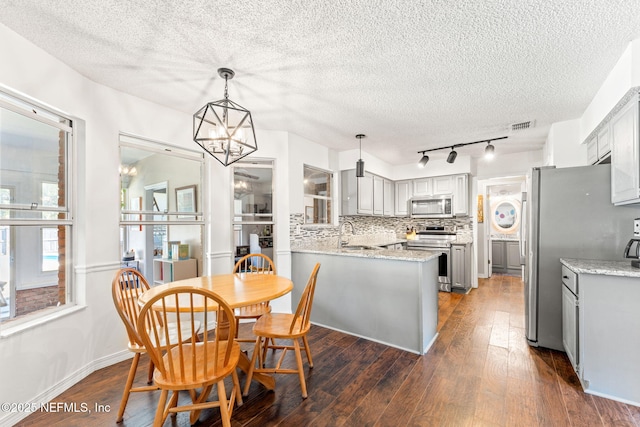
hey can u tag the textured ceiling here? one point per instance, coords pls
(411, 75)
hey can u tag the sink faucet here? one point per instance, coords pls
(353, 231)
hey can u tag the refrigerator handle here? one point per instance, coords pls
(523, 229)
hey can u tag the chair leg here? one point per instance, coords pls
(224, 408)
(150, 374)
(303, 384)
(236, 388)
(307, 349)
(159, 419)
(252, 367)
(127, 387)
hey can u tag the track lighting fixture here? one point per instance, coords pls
(360, 162)
(423, 161)
(452, 156)
(488, 151)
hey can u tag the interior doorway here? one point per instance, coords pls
(501, 231)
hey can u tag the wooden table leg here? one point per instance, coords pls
(245, 363)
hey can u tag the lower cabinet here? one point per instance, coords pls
(599, 327)
(505, 256)
(461, 266)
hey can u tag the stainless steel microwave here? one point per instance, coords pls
(432, 206)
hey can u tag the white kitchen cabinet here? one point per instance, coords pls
(423, 187)
(441, 185)
(604, 142)
(461, 266)
(389, 201)
(404, 191)
(592, 150)
(461, 195)
(625, 160)
(378, 195)
(570, 316)
(599, 146)
(170, 270)
(365, 195)
(600, 325)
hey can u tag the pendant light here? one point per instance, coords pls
(223, 128)
(360, 162)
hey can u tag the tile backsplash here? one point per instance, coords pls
(300, 232)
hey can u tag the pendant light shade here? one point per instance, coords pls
(223, 128)
(360, 162)
(452, 156)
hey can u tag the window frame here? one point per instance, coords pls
(328, 199)
(65, 212)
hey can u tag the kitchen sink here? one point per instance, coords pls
(360, 248)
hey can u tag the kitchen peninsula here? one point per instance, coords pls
(388, 296)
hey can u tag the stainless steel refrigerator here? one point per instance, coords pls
(569, 215)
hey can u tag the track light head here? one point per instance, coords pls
(423, 161)
(489, 151)
(452, 156)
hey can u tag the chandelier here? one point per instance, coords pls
(223, 128)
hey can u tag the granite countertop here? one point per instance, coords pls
(603, 267)
(331, 248)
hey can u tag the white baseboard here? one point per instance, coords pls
(13, 418)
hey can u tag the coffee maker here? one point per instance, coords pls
(634, 256)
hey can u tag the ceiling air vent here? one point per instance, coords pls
(522, 125)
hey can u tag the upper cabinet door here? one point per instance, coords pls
(388, 197)
(422, 187)
(592, 151)
(378, 195)
(625, 163)
(365, 194)
(442, 185)
(604, 142)
(461, 195)
(403, 194)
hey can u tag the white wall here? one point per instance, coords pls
(564, 147)
(41, 361)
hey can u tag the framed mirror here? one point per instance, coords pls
(505, 216)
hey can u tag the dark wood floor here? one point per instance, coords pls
(480, 372)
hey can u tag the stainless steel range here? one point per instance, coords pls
(436, 239)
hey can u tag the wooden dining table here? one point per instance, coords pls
(238, 290)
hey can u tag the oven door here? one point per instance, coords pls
(444, 265)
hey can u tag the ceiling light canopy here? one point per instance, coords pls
(488, 151)
(360, 162)
(223, 128)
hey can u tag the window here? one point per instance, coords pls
(317, 196)
(152, 176)
(35, 209)
(253, 196)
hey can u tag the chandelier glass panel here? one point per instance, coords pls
(223, 128)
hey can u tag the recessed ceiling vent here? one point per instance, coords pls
(515, 127)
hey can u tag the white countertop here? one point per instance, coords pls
(603, 267)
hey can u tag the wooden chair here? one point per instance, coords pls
(272, 326)
(127, 285)
(258, 264)
(191, 363)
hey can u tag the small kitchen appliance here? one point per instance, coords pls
(635, 255)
